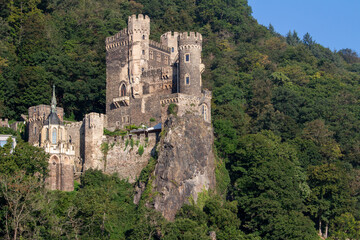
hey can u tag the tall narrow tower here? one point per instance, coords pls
(189, 63)
(139, 31)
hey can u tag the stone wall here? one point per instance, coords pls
(123, 155)
(75, 135)
(94, 124)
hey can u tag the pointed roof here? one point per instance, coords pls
(53, 118)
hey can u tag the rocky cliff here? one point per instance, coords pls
(185, 164)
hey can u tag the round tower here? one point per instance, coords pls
(139, 32)
(189, 63)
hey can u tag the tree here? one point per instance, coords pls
(269, 184)
(22, 198)
(330, 193)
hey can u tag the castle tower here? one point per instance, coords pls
(190, 63)
(94, 124)
(139, 31)
(171, 40)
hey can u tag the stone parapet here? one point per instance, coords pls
(159, 46)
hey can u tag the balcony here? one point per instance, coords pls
(121, 101)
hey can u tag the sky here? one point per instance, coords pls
(332, 23)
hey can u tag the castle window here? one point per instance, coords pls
(172, 49)
(187, 79)
(47, 134)
(151, 55)
(54, 133)
(35, 130)
(204, 112)
(187, 57)
(143, 52)
(122, 90)
(142, 69)
(158, 58)
(144, 37)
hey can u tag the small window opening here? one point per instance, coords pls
(187, 80)
(143, 52)
(123, 90)
(143, 37)
(172, 49)
(187, 57)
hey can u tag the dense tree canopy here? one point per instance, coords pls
(285, 112)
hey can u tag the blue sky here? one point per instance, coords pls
(332, 23)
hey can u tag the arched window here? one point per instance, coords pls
(187, 79)
(144, 37)
(204, 112)
(122, 90)
(54, 135)
(35, 130)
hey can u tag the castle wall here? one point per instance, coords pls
(94, 124)
(75, 135)
(123, 157)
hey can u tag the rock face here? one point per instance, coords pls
(185, 164)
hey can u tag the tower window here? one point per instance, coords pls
(187, 57)
(151, 55)
(122, 90)
(35, 130)
(187, 79)
(172, 49)
(143, 52)
(144, 37)
(54, 133)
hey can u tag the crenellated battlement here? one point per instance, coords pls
(74, 125)
(133, 19)
(139, 24)
(95, 120)
(169, 36)
(118, 40)
(159, 46)
(195, 36)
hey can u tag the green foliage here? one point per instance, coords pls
(141, 150)
(6, 130)
(172, 109)
(116, 132)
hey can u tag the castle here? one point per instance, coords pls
(143, 78)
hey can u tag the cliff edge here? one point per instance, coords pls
(185, 164)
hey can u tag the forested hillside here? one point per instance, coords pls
(286, 118)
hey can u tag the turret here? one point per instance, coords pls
(171, 40)
(190, 61)
(139, 31)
